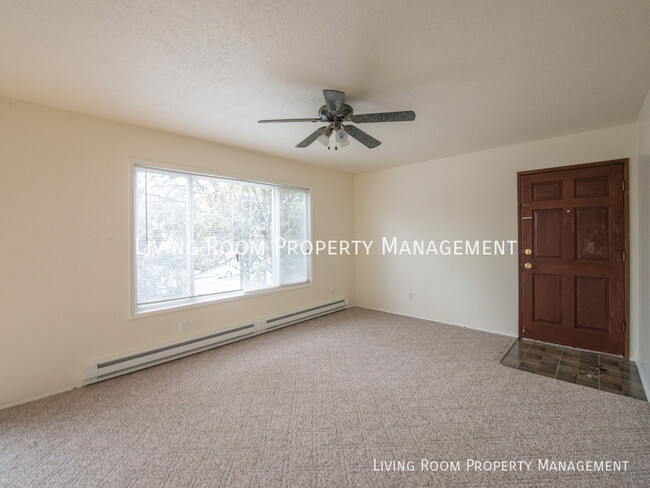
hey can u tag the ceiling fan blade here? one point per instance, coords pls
(312, 137)
(361, 136)
(404, 116)
(335, 101)
(269, 121)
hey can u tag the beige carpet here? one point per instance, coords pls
(318, 404)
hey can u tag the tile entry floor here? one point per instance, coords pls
(601, 371)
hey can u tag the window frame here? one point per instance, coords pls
(138, 310)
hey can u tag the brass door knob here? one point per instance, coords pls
(528, 266)
(528, 252)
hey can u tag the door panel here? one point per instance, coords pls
(548, 190)
(592, 303)
(591, 187)
(572, 242)
(592, 233)
(547, 298)
(548, 238)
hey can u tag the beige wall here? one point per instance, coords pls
(643, 139)
(64, 241)
(468, 197)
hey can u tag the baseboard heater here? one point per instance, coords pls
(117, 367)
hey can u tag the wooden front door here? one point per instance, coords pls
(572, 255)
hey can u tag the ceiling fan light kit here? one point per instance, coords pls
(324, 138)
(334, 113)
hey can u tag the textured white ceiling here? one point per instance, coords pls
(478, 74)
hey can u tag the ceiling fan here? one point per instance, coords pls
(334, 113)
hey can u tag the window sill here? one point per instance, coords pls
(141, 311)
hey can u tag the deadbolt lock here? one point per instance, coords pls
(528, 266)
(528, 252)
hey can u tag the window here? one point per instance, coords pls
(200, 238)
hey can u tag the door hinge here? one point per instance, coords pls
(624, 256)
(624, 326)
(623, 185)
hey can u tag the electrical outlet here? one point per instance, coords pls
(184, 326)
(410, 295)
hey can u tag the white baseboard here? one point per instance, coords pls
(39, 397)
(645, 378)
(437, 321)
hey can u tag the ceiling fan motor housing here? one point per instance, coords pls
(327, 116)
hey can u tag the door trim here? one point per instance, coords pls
(626, 207)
